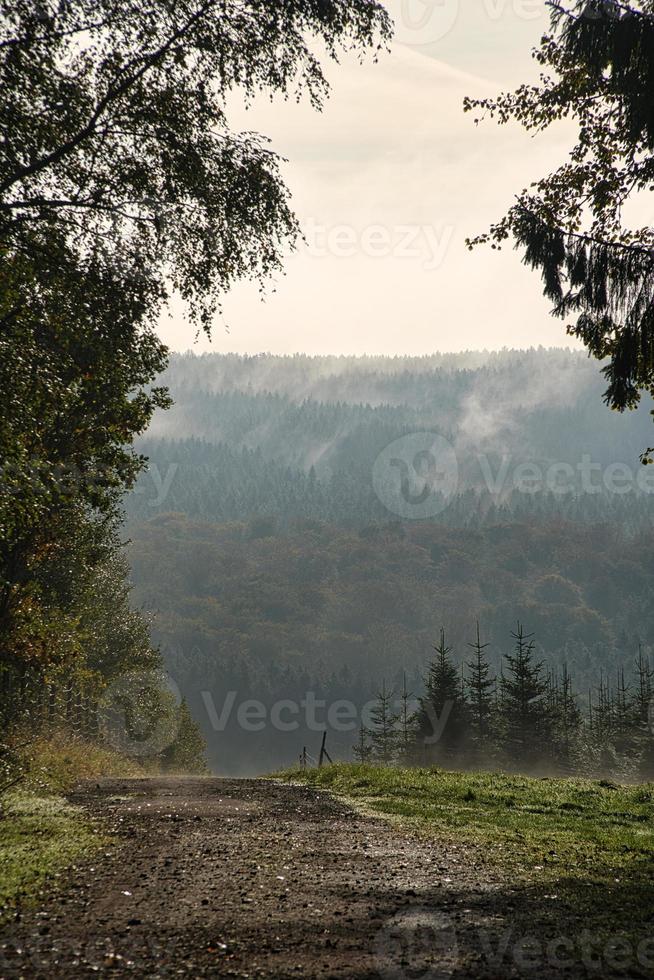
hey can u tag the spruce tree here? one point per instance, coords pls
(363, 749)
(644, 687)
(626, 736)
(622, 706)
(603, 724)
(383, 730)
(525, 722)
(480, 686)
(643, 712)
(602, 711)
(407, 721)
(567, 723)
(443, 722)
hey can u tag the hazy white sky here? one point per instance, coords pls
(387, 182)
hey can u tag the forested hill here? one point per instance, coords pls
(263, 541)
(247, 612)
(288, 437)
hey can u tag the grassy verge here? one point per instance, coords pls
(41, 833)
(39, 837)
(523, 824)
(55, 764)
(588, 844)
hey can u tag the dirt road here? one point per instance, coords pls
(245, 878)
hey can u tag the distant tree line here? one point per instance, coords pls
(298, 437)
(221, 483)
(333, 412)
(528, 718)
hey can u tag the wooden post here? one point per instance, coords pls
(324, 754)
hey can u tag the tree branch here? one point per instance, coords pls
(112, 95)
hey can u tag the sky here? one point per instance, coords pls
(387, 182)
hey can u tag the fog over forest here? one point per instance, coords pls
(275, 538)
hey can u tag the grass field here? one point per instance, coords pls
(587, 844)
